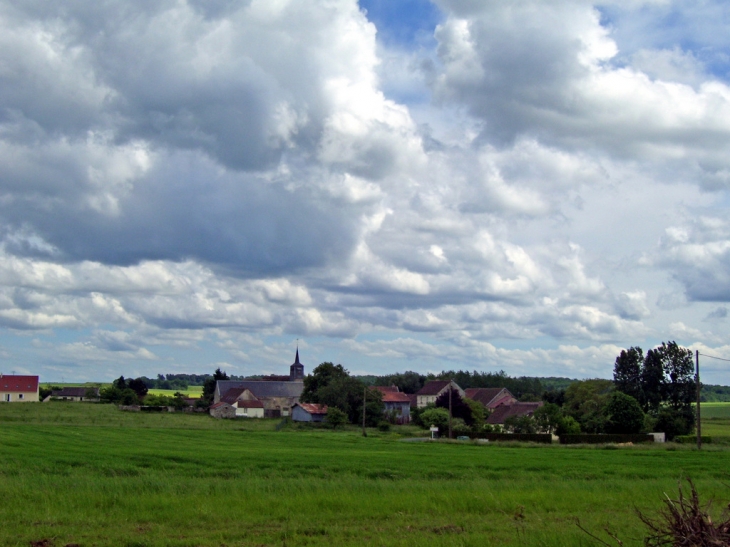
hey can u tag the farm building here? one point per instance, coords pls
(490, 397)
(277, 396)
(395, 402)
(18, 389)
(75, 394)
(308, 412)
(252, 408)
(433, 389)
(222, 410)
(502, 412)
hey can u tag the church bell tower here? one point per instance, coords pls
(296, 371)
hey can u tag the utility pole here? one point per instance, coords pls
(449, 409)
(697, 379)
(364, 402)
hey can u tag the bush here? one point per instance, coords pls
(624, 414)
(384, 426)
(459, 427)
(335, 417)
(436, 416)
(544, 438)
(675, 422)
(568, 426)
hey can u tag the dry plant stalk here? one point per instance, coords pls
(684, 522)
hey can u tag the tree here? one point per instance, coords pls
(627, 373)
(333, 386)
(548, 417)
(209, 385)
(521, 424)
(459, 408)
(437, 417)
(585, 402)
(120, 383)
(138, 386)
(652, 379)
(624, 414)
(335, 417)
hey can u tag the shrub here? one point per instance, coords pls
(335, 417)
(599, 439)
(436, 416)
(384, 426)
(691, 439)
(624, 414)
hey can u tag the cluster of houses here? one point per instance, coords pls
(280, 398)
(275, 398)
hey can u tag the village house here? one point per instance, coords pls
(308, 412)
(490, 397)
(75, 394)
(277, 397)
(433, 389)
(222, 410)
(395, 403)
(502, 412)
(18, 389)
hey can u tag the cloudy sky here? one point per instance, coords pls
(525, 186)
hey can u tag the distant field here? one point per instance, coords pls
(715, 410)
(92, 475)
(194, 392)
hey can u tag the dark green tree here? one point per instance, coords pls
(138, 386)
(209, 385)
(652, 380)
(627, 373)
(623, 414)
(120, 383)
(521, 424)
(459, 407)
(335, 417)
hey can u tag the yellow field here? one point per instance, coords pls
(193, 392)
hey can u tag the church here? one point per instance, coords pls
(274, 397)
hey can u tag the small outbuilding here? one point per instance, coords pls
(308, 412)
(222, 410)
(395, 403)
(252, 408)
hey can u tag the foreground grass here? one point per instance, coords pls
(97, 476)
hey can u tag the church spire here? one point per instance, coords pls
(296, 371)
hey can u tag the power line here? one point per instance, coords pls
(713, 357)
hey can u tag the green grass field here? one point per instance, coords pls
(194, 392)
(92, 475)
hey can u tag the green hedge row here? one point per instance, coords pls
(692, 439)
(600, 439)
(523, 437)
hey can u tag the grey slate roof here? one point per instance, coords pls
(261, 388)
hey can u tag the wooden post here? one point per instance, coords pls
(450, 409)
(364, 402)
(697, 379)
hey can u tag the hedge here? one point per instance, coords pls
(523, 437)
(691, 439)
(600, 439)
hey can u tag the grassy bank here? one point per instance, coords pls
(92, 475)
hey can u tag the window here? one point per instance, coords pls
(7, 398)
(20, 396)
(245, 411)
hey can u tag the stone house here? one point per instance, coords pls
(222, 410)
(18, 389)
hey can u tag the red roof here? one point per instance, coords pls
(22, 384)
(396, 398)
(488, 396)
(502, 412)
(250, 404)
(313, 408)
(219, 404)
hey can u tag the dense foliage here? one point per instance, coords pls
(332, 385)
(662, 382)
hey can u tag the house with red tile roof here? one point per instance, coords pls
(252, 408)
(18, 389)
(395, 403)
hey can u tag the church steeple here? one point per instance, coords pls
(296, 371)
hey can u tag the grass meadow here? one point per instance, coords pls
(88, 474)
